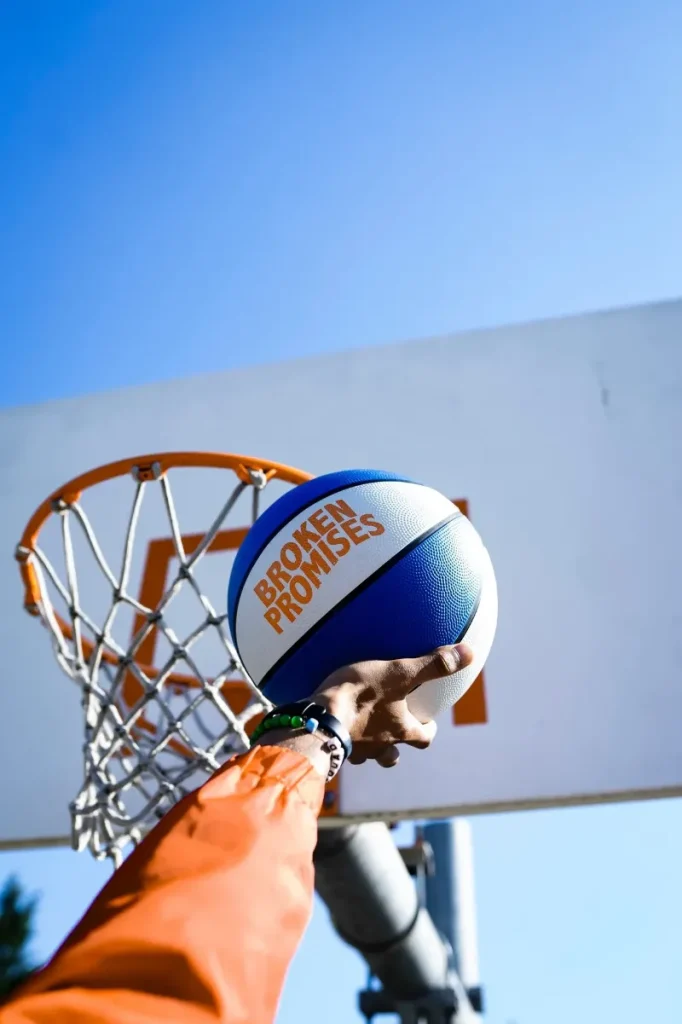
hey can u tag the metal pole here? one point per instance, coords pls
(373, 903)
(451, 899)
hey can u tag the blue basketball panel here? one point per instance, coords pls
(286, 508)
(422, 601)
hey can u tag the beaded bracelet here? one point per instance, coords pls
(313, 718)
(277, 722)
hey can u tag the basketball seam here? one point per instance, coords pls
(294, 515)
(267, 677)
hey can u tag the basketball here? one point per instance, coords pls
(354, 566)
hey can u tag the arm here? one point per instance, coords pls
(201, 921)
(199, 925)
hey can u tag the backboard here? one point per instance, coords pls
(563, 440)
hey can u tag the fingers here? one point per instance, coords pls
(397, 677)
(388, 757)
(415, 734)
(444, 661)
(386, 754)
(375, 701)
(447, 660)
(420, 734)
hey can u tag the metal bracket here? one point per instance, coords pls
(439, 1006)
(418, 859)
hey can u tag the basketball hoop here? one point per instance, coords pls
(152, 734)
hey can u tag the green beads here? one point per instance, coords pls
(276, 722)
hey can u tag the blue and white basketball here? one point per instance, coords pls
(355, 566)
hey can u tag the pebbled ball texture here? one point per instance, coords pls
(424, 582)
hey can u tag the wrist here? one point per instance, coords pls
(310, 745)
(307, 717)
(339, 701)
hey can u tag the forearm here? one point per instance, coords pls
(312, 747)
(201, 921)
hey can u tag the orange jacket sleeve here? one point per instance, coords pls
(201, 921)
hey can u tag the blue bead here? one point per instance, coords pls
(311, 724)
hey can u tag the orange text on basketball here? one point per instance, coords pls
(313, 549)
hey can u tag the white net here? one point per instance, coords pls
(154, 729)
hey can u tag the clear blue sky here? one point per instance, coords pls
(194, 186)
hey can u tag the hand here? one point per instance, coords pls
(370, 698)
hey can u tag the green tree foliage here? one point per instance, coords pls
(17, 912)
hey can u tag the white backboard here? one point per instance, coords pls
(565, 439)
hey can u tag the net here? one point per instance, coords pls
(152, 732)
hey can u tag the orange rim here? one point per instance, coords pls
(148, 467)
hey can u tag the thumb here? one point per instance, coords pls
(448, 660)
(444, 661)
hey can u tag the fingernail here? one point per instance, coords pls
(465, 654)
(450, 658)
(454, 657)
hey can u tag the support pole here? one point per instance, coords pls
(373, 903)
(451, 899)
